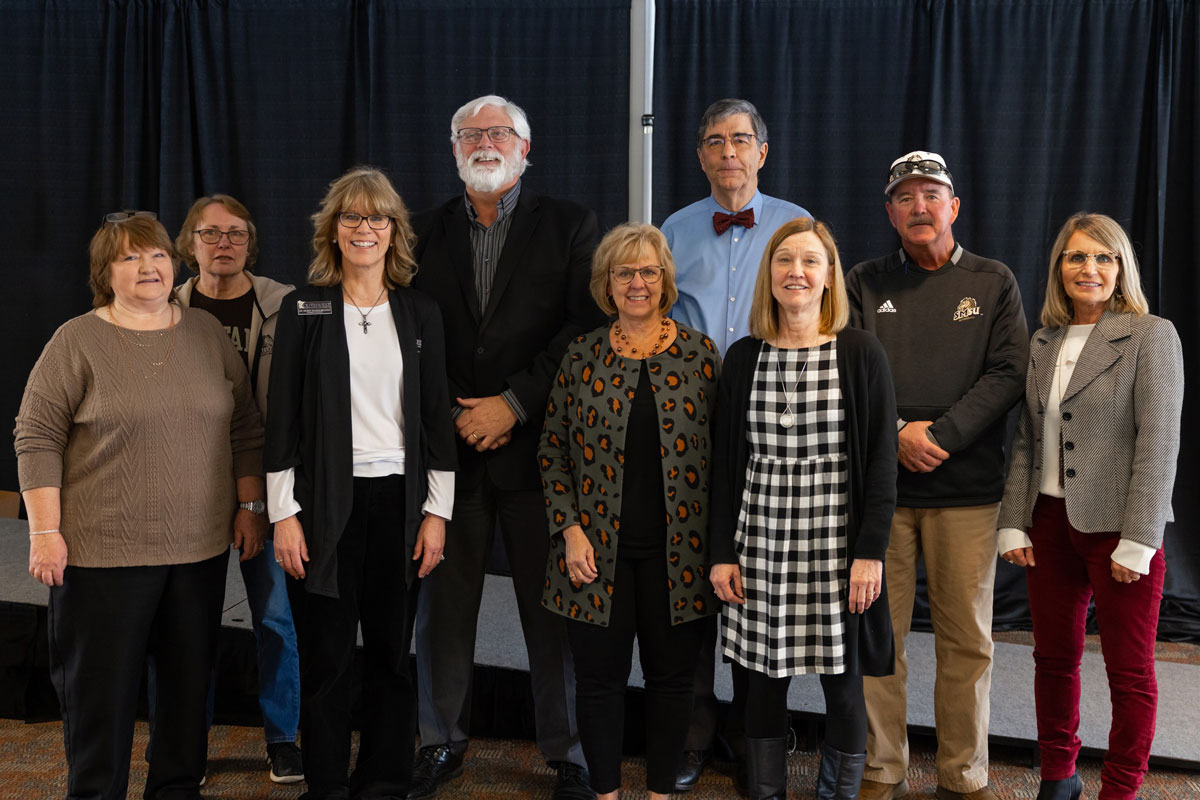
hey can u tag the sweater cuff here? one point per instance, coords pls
(1134, 555)
(248, 463)
(1011, 539)
(39, 469)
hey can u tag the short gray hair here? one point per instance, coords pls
(727, 108)
(515, 113)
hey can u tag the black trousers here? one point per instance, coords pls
(603, 657)
(702, 732)
(372, 558)
(103, 624)
(845, 710)
(449, 613)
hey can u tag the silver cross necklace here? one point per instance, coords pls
(363, 322)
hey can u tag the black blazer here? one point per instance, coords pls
(538, 304)
(869, 401)
(309, 426)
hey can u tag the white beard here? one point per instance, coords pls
(486, 180)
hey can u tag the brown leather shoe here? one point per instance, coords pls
(984, 793)
(875, 790)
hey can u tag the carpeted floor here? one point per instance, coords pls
(32, 768)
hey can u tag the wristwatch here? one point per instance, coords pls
(254, 507)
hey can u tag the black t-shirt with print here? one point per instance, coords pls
(235, 314)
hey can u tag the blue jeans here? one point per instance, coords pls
(278, 660)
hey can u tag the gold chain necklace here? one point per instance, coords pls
(664, 332)
(127, 344)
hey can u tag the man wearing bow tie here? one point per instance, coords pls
(717, 243)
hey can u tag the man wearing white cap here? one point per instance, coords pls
(955, 334)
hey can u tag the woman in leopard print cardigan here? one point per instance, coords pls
(625, 459)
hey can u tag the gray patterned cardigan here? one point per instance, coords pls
(1120, 429)
(581, 455)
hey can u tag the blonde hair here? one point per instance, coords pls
(624, 244)
(835, 306)
(368, 189)
(1128, 296)
(185, 242)
(113, 239)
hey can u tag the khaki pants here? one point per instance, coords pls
(959, 547)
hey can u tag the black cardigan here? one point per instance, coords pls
(309, 425)
(870, 406)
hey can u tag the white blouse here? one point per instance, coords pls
(376, 416)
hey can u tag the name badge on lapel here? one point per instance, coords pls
(310, 308)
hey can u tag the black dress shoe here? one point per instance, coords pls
(572, 783)
(434, 766)
(1066, 789)
(690, 768)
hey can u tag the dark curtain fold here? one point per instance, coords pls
(1042, 108)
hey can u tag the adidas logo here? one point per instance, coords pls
(886, 308)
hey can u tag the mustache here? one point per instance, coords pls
(480, 155)
(924, 219)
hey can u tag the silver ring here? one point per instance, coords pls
(279, 561)
(441, 558)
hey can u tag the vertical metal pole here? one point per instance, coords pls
(641, 108)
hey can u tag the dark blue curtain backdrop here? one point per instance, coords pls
(1041, 108)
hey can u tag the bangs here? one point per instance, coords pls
(371, 197)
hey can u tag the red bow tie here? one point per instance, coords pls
(722, 221)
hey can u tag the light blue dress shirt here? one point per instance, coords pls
(716, 274)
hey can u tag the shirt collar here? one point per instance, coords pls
(507, 203)
(906, 259)
(755, 203)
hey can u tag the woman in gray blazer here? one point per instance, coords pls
(1088, 496)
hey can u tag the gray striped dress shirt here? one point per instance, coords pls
(487, 243)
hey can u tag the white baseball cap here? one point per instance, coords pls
(918, 164)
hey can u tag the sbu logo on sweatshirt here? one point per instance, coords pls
(967, 308)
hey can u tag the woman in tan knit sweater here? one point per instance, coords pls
(136, 439)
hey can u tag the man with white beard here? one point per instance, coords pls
(510, 270)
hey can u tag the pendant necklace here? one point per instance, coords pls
(364, 323)
(128, 344)
(787, 419)
(665, 331)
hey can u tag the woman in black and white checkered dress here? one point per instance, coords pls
(804, 484)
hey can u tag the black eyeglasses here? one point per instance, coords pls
(499, 134)
(213, 236)
(122, 216)
(923, 167)
(377, 222)
(740, 141)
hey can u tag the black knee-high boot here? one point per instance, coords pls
(840, 774)
(766, 768)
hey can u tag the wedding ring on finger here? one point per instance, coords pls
(441, 558)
